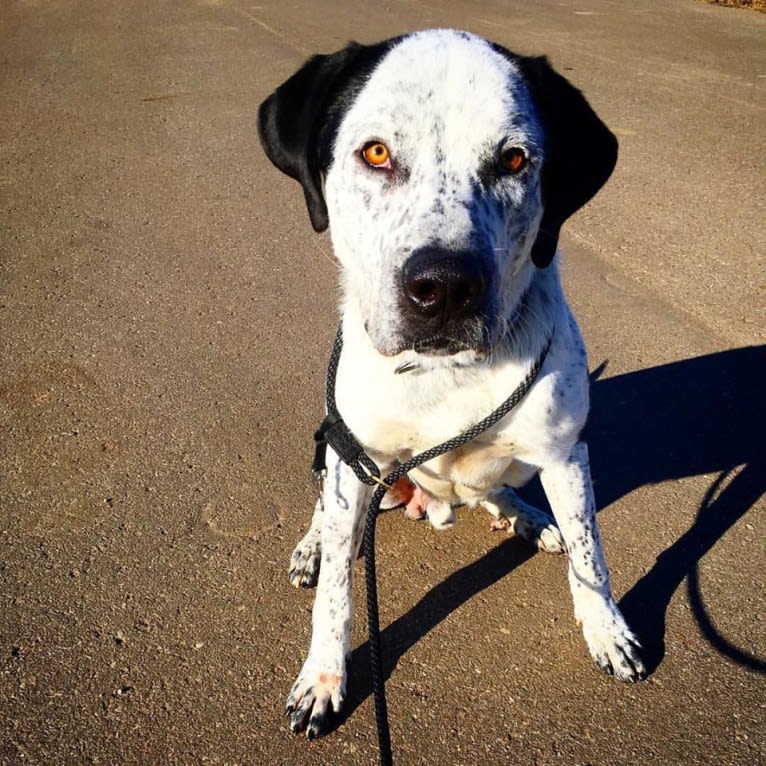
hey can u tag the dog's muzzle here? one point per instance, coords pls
(444, 300)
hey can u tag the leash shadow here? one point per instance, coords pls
(698, 416)
(436, 605)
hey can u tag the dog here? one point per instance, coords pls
(445, 166)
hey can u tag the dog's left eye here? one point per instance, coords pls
(512, 160)
(376, 154)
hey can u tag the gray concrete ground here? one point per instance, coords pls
(166, 315)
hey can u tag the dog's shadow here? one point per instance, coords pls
(700, 416)
(704, 415)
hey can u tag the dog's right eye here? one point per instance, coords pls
(376, 154)
(512, 160)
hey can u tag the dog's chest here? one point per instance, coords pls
(396, 417)
(419, 414)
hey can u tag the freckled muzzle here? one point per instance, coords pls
(444, 301)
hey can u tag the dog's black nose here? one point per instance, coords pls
(442, 284)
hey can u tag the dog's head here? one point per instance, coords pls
(446, 166)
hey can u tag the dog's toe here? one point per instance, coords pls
(624, 660)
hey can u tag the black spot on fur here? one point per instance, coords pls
(298, 123)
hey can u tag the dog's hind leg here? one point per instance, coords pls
(522, 519)
(304, 563)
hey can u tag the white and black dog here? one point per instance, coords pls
(446, 165)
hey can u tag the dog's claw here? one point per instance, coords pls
(298, 711)
(317, 726)
(633, 668)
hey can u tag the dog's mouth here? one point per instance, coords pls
(438, 352)
(415, 347)
(439, 345)
(435, 345)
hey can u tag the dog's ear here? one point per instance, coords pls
(298, 121)
(580, 151)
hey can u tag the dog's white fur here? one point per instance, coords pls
(440, 101)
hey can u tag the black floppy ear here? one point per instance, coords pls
(297, 122)
(580, 151)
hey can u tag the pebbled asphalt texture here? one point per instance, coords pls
(166, 313)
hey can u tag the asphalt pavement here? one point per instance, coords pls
(166, 313)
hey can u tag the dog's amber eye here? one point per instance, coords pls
(376, 154)
(512, 160)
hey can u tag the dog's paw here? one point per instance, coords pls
(441, 515)
(526, 521)
(315, 696)
(304, 563)
(540, 530)
(613, 646)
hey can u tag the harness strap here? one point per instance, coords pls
(336, 433)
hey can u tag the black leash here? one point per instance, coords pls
(335, 432)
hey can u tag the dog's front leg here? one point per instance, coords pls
(321, 683)
(613, 646)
